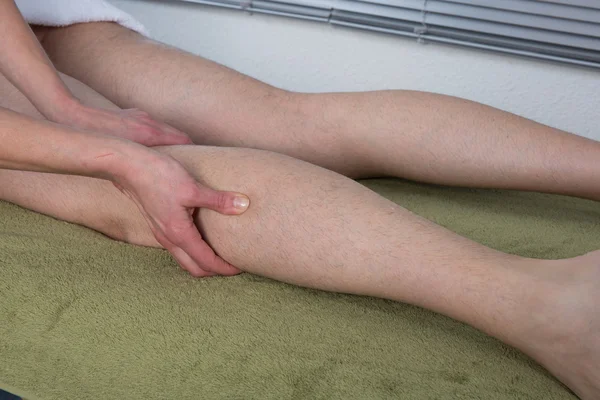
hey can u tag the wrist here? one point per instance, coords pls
(119, 160)
(65, 109)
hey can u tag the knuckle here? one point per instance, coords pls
(221, 200)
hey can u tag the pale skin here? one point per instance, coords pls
(104, 143)
(366, 244)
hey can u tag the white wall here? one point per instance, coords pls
(313, 56)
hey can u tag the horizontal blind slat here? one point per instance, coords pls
(289, 9)
(219, 3)
(564, 51)
(436, 34)
(409, 12)
(502, 49)
(581, 5)
(457, 22)
(578, 3)
(517, 32)
(474, 23)
(322, 4)
(467, 11)
(514, 18)
(527, 8)
(513, 31)
(375, 21)
(543, 8)
(469, 16)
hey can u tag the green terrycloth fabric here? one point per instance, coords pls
(85, 317)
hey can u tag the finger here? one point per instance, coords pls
(175, 140)
(178, 254)
(211, 262)
(230, 203)
(173, 135)
(195, 247)
(186, 262)
(162, 135)
(155, 135)
(168, 130)
(159, 128)
(171, 131)
(167, 140)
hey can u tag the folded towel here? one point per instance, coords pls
(69, 12)
(85, 317)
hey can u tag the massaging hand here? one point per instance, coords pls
(25, 64)
(165, 193)
(133, 124)
(167, 196)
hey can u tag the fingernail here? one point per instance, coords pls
(241, 202)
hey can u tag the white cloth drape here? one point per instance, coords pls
(69, 12)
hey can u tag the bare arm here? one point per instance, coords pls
(36, 145)
(25, 64)
(165, 193)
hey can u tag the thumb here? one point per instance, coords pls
(231, 203)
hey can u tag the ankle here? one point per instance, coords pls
(556, 313)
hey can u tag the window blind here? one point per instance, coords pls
(560, 30)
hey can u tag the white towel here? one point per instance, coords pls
(69, 12)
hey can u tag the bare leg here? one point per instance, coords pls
(312, 227)
(315, 228)
(416, 135)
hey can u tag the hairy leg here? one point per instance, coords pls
(315, 228)
(421, 136)
(312, 227)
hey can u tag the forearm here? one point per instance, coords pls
(35, 145)
(24, 62)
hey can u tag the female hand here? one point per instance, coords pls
(132, 124)
(25, 64)
(167, 196)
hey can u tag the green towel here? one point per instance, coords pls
(85, 317)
